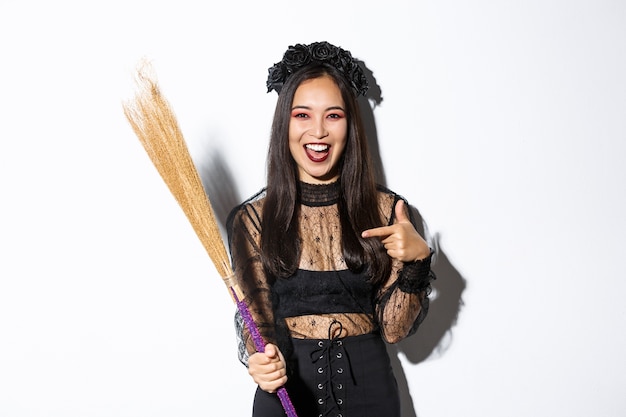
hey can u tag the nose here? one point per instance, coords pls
(319, 131)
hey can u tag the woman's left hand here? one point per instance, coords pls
(401, 240)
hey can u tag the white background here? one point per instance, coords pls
(503, 122)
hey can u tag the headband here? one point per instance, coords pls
(299, 56)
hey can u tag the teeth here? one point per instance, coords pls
(318, 147)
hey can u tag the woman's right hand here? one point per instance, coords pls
(268, 369)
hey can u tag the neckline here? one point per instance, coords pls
(318, 194)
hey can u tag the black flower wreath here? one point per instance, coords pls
(300, 55)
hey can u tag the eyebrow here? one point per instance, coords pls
(328, 108)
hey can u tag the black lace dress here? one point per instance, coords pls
(330, 322)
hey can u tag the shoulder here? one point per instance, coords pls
(384, 192)
(249, 212)
(387, 200)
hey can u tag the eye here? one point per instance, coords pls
(299, 115)
(335, 116)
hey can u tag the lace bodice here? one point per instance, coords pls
(395, 309)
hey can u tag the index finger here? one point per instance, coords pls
(377, 231)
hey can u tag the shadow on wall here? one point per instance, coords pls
(367, 105)
(435, 333)
(220, 186)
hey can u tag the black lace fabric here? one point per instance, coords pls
(398, 307)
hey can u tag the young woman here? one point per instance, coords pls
(330, 264)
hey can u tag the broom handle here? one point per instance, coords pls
(259, 344)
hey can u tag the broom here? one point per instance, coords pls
(156, 126)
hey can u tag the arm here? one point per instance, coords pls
(244, 238)
(402, 302)
(268, 369)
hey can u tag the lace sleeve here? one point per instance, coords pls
(402, 303)
(244, 237)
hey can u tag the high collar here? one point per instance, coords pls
(318, 194)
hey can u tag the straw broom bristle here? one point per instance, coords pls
(157, 129)
(156, 126)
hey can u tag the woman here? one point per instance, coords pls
(331, 266)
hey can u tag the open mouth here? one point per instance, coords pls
(317, 152)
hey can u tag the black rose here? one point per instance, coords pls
(344, 60)
(296, 57)
(357, 78)
(276, 77)
(323, 51)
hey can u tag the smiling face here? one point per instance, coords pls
(318, 129)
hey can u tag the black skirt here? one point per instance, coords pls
(348, 377)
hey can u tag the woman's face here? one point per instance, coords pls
(318, 129)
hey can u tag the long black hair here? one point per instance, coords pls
(358, 202)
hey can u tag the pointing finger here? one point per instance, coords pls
(377, 231)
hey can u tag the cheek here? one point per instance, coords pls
(294, 133)
(342, 149)
(342, 133)
(341, 130)
(294, 146)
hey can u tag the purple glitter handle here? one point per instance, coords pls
(259, 344)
